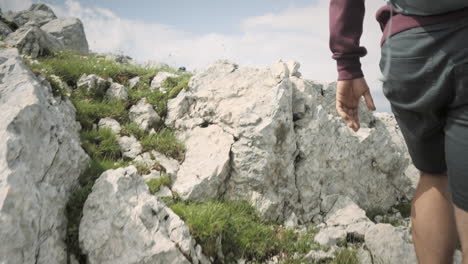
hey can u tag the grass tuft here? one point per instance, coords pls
(165, 142)
(155, 185)
(101, 144)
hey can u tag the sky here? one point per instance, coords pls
(195, 34)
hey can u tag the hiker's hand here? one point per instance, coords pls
(348, 94)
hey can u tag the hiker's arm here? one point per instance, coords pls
(346, 20)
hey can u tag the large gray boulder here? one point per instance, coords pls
(70, 31)
(291, 151)
(124, 224)
(206, 167)
(32, 41)
(40, 161)
(39, 14)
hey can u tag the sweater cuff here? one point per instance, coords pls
(349, 69)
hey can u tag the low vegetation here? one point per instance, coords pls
(101, 144)
(154, 185)
(243, 234)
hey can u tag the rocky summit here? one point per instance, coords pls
(120, 162)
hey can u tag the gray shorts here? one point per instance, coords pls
(426, 83)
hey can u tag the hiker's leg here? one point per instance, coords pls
(462, 227)
(433, 226)
(457, 162)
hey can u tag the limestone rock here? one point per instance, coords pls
(110, 123)
(344, 219)
(130, 147)
(388, 244)
(123, 224)
(143, 115)
(169, 165)
(93, 83)
(40, 162)
(256, 109)
(330, 153)
(4, 30)
(159, 79)
(32, 41)
(133, 82)
(117, 91)
(292, 152)
(38, 14)
(206, 165)
(70, 31)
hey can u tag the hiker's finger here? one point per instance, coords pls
(369, 100)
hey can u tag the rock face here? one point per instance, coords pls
(31, 40)
(143, 115)
(292, 152)
(123, 223)
(40, 161)
(206, 167)
(389, 245)
(40, 14)
(4, 30)
(69, 31)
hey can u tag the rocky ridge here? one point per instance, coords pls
(263, 135)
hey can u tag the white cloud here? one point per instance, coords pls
(294, 34)
(14, 5)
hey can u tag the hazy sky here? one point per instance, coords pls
(196, 33)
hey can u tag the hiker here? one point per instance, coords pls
(424, 63)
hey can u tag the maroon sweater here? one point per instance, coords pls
(346, 20)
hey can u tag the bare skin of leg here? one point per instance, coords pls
(461, 217)
(433, 223)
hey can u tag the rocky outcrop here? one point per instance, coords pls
(40, 161)
(206, 167)
(123, 223)
(5, 30)
(69, 31)
(144, 115)
(159, 80)
(292, 153)
(32, 41)
(39, 14)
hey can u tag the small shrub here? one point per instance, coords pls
(101, 144)
(165, 142)
(154, 185)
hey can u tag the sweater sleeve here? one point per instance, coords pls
(346, 22)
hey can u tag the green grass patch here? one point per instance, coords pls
(132, 129)
(101, 144)
(154, 185)
(243, 233)
(70, 65)
(346, 256)
(173, 85)
(165, 142)
(88, 112)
